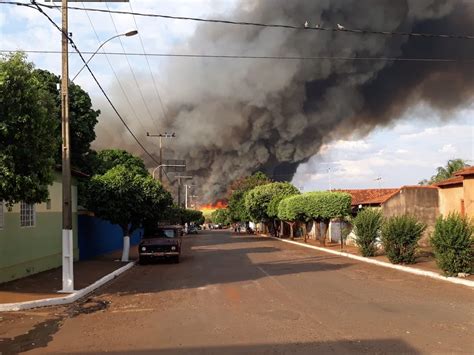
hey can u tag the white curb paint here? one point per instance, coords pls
(410, 270)
(18, 306)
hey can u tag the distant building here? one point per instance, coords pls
(362, 198)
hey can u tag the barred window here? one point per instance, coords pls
(1, 214)
(27, 215)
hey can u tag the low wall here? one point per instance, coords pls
(97, 237)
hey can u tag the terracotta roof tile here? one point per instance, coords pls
(451, 181)
(369, 196)
(466, 171)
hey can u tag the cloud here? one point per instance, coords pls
(448, 148)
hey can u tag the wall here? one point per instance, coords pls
(97, 237)
(420, 202)
(29, 250)
(450, 199)
(468, 189)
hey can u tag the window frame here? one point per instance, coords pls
(31, 212)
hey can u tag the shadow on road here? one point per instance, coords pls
(365, 346)
(235, 259)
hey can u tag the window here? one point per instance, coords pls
(1, 214)
(27, 215)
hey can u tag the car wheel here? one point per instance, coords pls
(176, 259)
(142, 260)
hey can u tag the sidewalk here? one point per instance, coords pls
(46, 284)
(425, 260)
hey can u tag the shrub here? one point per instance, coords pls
(452, 243)
(400, 235)
(366, 227)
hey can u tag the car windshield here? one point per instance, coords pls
(161, 233)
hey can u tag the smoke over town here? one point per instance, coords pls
(235, 116)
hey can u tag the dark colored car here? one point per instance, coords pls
(161, 242)
(192, 230)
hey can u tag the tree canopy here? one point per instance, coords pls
(262, 201)
(236, 206)
(220, 216)
(445, 172)
(27, 114)
(108, 158)
(82, 120)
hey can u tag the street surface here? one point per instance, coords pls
(254, 295)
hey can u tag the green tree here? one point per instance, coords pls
(220, 216)
(27, 120)
(291, 210)
(239, 188)
(445, 172)
(322, 206)
(400, 235)
(262, 202)
(82, 120)
(367, 226)
(126, 197)
(108, 158)
(452, 242)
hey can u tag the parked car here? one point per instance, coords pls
(192, 230)
(161, 242)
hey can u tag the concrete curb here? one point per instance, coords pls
(408, 269)
(72, 297)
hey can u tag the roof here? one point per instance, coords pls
(369, 196)
(456, 180)
(465, 172)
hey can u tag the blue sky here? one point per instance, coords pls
(401, 154)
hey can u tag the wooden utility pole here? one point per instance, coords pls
(67, 237)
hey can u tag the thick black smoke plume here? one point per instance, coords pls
(233, 117)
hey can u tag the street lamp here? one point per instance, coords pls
(161, 135)
(126, 34)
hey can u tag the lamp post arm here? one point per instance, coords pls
(93, 54)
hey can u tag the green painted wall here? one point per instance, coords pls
(29, 250)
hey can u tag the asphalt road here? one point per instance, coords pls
(254, 295)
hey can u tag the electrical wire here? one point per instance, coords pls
(223, 56)
(339, 29)
(73, 45)
(147, 109)
(155, 86)
(124, 93)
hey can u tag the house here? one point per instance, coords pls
(30, 234)
(362, 198)
(456, 194)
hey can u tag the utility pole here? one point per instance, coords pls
(67, 237)
(179, 186)
(186, 195)
(160, 136)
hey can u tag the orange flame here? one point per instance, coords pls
(214, 206)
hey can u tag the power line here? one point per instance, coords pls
(133, 72)
(223, 56)
(155, 86)
(73, 44)
(302, 27)
(132, 109)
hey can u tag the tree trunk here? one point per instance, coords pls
(292, 237)
(317, 230)
(126, 243)
(305, 232)
(325, 230)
